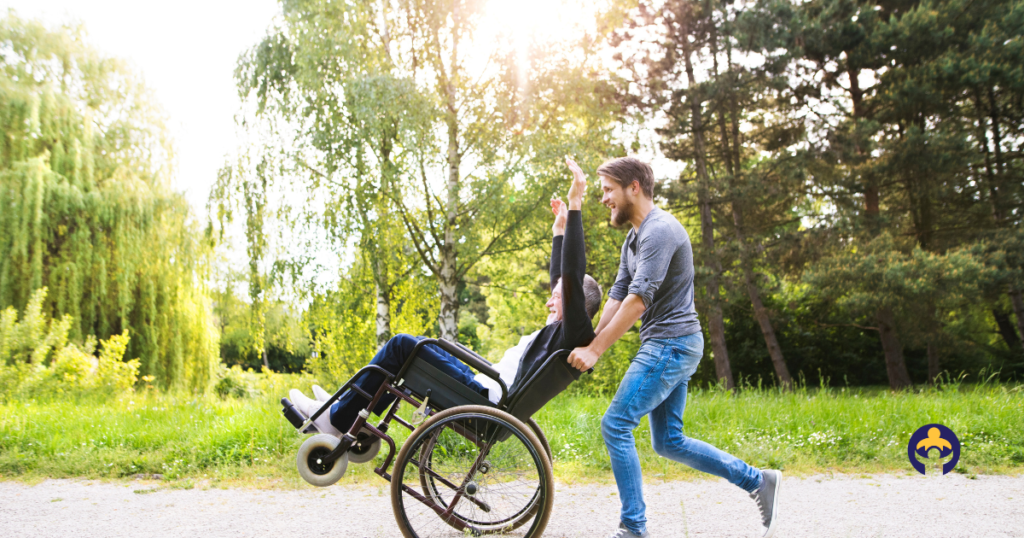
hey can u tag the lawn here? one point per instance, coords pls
(210, 440)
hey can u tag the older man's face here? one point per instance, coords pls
(554, 304)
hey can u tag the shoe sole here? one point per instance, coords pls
(775, 507)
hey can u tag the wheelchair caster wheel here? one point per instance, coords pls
(366, 450)
(313, 468)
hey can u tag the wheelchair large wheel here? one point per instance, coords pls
(475, 470)
(540, 437)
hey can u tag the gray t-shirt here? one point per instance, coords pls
(657, 265)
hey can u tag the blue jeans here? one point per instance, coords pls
(391, 356)
(655, 384)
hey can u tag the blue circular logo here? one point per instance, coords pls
(933, 436)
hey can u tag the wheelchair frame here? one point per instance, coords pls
(413, 387)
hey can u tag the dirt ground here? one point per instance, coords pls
(815, 506)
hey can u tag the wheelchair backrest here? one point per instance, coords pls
(544, 383)
(445, 392)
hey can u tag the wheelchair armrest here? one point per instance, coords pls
(472, 359)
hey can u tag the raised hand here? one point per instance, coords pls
(579, 184)
(561, 215)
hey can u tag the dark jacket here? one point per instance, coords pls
(568, 261)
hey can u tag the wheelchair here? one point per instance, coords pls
(471, 467)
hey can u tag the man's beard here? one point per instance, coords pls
(623, 215)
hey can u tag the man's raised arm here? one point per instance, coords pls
(578, 327)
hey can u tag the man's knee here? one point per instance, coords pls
(402, 344)
(658, 444)
(614, 427)
(663, 445)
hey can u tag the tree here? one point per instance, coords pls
(88, 213)
(733, 124)
(914, 146)
(685, 33)
(409, 116)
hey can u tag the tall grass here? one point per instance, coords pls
(214, 440)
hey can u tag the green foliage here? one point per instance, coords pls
(36, 359)
(236, 383)
(863, 170)
(84, 166)
(343, 321)
(877, 274)
(286, 338)
(428, 146)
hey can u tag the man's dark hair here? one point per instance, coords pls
(626, 170)
(591, 295)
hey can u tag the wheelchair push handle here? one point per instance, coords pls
(564, 353)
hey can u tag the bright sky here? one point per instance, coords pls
(186, 52)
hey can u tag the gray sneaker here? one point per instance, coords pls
(767, 499)
(623, 532)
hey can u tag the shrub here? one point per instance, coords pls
(233, 382)
(36, 358)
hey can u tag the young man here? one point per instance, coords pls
(655, 285)
(575, 298)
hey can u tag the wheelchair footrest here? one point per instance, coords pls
(293, 415)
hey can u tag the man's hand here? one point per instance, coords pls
(583, 358)
(579, 184)
(561, 215)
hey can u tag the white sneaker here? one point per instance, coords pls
(320, 394)
(307, 406)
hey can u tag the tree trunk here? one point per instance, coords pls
(993, 187)
(1006, 330)
(1018, 308)
(872, 196)
(716, 328)
(723, 370)
(895, 365)
(448, 319)
(933, 362)
(383, 316)
(761, 313)
(733, 163)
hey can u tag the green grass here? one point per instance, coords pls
(808, 431)
(209, 441)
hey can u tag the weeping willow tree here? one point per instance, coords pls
(87, 211)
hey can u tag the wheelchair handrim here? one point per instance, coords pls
(530, 508)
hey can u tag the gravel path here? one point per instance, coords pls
(816, 506)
